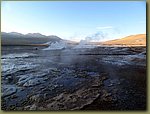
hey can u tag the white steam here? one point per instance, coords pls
(84, 44)
(57, 45)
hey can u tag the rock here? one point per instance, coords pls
(35, 97)
(106, 96)
(110, 85)
(14, 96)
(98, 81)
(23, 79)
(97, 84)
(27, 80)
(74, 101)
(8, 90)
(42, 108)
(55, 86)
(45, 96)
(31, 107)
(108, 99)
(27, 107)
(114, 98)
(33, 82)
(114, 82)
(142, 53)
(9, 79)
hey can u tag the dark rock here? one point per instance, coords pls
(14, 96)
(8, 90)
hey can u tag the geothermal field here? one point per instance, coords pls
(74, 56)
(76, 77)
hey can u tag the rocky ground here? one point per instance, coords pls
(102, 78)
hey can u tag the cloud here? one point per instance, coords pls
(104, 27)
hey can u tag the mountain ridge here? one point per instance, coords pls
(15, 38)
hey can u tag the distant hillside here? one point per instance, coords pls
(15, 38)
(139, 39)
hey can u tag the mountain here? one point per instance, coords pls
(38, 35)
(139, 39)
(15, 33)
(14, 38)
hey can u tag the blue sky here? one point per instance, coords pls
(75, 20)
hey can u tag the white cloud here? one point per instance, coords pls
(104, 27)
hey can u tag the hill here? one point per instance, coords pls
(132, 40)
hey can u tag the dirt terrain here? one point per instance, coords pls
(102, 78)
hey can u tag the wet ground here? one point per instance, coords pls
(102, 78)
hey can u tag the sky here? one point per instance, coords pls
(95, 21)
